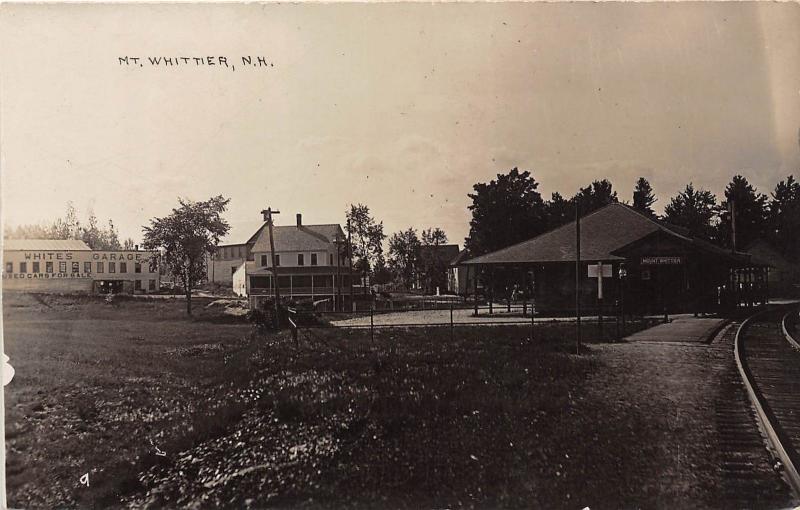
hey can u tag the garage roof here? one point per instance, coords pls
(45, 245)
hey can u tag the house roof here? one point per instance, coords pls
(294, 238)
(458, 259)
(602, 232)
(45, 245)
(765, 253)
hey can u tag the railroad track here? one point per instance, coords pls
(767, 353)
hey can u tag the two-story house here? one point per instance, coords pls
(312, 262)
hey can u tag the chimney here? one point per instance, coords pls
(299, 220)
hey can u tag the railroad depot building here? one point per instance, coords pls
(312, 263)
(70, 266)
(648, 267)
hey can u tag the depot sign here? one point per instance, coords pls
(662, 261)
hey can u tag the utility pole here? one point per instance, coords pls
(577, 279)
(733, 224)
(338, 240)
(268, 212)
(350, 261)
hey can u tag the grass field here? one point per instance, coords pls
(413, 419)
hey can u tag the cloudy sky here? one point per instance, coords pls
(402, 107)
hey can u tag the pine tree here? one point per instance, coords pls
(643, 197)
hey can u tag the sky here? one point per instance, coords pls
(402, 107)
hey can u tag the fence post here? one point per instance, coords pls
(452, 334)
(532, 314)
(372, 324)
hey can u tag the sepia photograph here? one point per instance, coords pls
(400, 255)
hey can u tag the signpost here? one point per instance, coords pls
(600, 271)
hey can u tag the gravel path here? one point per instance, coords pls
(693, 422)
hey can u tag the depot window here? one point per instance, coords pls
(100, 268)
(36, 267)
(76, 267)
(277, 260)
(23, 267)
(62, 267)
(151, 285)
(137, 268)
(112, 267)
(300, 259)
(263, 261)
(313, 259)
(87, 267)
(123, 267)
(9, 267)
(48, 267)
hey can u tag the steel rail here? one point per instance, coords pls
(786, 333)
(766, 418)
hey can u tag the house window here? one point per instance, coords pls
(137, 285)
(36, 267)
(62, 267)
(313, 259)
(123, 267)
(277, 260)
(48, 267)
(23, 267)
(241, 252)
(300, 259)
(112, 267)
(330, 256)
(137, 267)
(87, 267)
(76, 267)
(10, 267)
(151, 285)
(263, 260)
(99, 267)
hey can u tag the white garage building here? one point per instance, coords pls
(70, 266)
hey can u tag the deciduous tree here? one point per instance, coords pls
(432, 267)
(367, 235)
(404, 249)
(186, 237)
(506, 210)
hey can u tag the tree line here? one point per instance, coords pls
(413, 258)
(509, 209)
(69, 226)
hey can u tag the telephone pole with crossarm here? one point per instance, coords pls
(268, 212)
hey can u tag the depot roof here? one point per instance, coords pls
(45, 245)
(602, 232)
